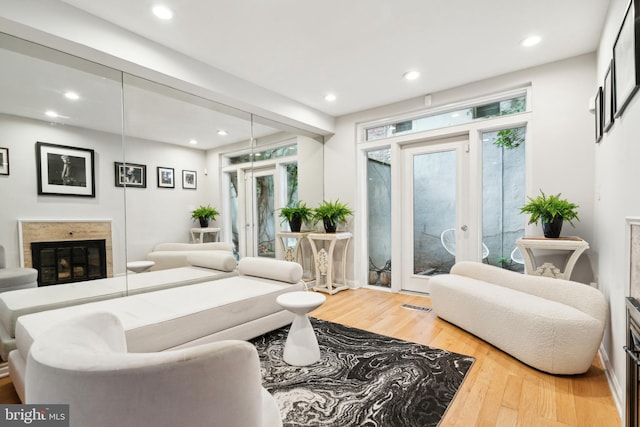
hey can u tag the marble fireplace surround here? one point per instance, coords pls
(52, 230)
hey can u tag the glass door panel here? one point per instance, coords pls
(263, 228)
(431, 216)
(379, 217)
(503, 193)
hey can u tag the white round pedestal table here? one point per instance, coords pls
(140, 266)
(301, 348)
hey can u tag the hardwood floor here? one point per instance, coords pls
(498, 391)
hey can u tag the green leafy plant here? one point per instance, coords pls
(547, 208)
(204, 213)
(301, 210)
(509, 138)
(504, 262)
(331, 213)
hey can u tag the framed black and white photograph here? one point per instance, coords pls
(4, 161)
(166, 178)
(189, 179)
(65, 171)
(130, 175)
(598, 114)
(626, 56)
(607, 99)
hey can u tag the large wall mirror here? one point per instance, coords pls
(93, 153)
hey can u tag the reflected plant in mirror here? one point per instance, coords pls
(204, 214)
(296, 215)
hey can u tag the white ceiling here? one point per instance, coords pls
(359, 49)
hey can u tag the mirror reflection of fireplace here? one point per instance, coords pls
(69, 261)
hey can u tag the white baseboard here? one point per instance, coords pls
(614, 385)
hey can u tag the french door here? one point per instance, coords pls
(435, 209)
(260, 213)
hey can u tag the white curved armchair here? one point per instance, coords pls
(84, 362)
(448, 239)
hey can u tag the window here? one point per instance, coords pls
(379, 216)
(511, 105)
(503, 193)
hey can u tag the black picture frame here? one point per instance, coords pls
(65, 171)
(166, 177)
(608, 99)
(598, 114)
(189, 180)
(130, 175)
(626, 56)
(4, 161)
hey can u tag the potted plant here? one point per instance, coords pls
(551, 211)
(296, 215)
(204, 214)
(331, 214)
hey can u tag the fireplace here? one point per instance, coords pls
(632, 347)
(633, 362)
(69, 261)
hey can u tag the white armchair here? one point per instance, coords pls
(84, 362)
(16, 277)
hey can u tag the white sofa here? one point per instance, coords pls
(174, 255)
(212, 266)
(84, 362)
(553, 325)
(239, 307)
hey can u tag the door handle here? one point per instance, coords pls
(464, 228)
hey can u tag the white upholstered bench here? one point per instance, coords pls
(553, 325)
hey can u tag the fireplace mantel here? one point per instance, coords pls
(46, 230)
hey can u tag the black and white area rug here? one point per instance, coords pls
(362, 379)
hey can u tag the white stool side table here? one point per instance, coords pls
(140, 266)
(301, 347)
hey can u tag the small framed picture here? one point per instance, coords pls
(130, 175)
(166, 178)
(4, 161)
(65, 171)
(607, 99)
(626, 56)
(598, 114)
(189, 179)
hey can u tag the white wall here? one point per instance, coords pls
(153, 214)
(617, 173)
(562, 152)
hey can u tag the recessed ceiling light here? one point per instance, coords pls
(72, 95)
(162, 12)
(411, 75)
(222, 132)
(531, 41)
(51, 113)
(330, 97)
(193, 142)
